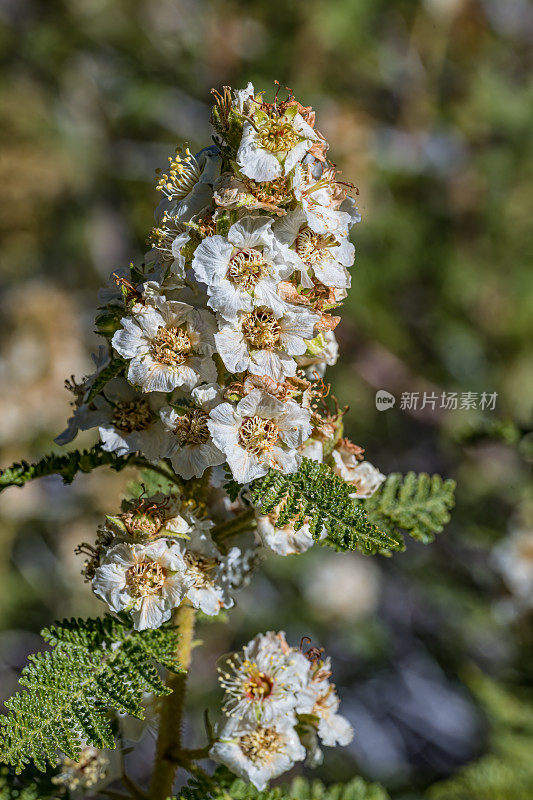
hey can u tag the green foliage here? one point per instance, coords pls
(116, 367)
(490, 778)
(507, 772)
(95, 664)
(314, 494)
(65, 465)
(225, 786)
(417, 504)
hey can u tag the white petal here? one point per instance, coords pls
(335, 729)
(150, 614)
(192, 461)
(251, 231)
(211, 259)
(255, 162)
(228, 300)
(245, 466)
(274, 364)
(287, 461)
(232, 349)
(129, 340)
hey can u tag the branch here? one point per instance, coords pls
(169, 739)
(69, 464)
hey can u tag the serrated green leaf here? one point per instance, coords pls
(417, 504)
(316, 496)
(94, 665)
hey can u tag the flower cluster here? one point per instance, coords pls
(217, 345)
(158, 552)
(279, 705)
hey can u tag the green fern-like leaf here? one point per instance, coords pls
(94, 665)
(417, 504)
(223, 785)
(116, 367)
(67, 466)
(314, 494)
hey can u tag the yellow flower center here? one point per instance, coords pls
(262, 744)
(171, 346)
(141, 525)
(201, 568)
(191, 428)
(182, 176)
(246, 268)
(145, 579)
(132, 415)
(277, 135)
(258, 435)
(313, 247)
(260, 328)
(259, 685)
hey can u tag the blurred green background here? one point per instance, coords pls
(428, 107)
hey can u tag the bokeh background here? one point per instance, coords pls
(428, 106)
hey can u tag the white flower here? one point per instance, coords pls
(146, 580)
(146, 518)
(259, 433)
(168, 346)
(513, 557)
(320, 254)
(190, 446)
(276, 140)
(187, 186)
(284, 541)
(324, 201)
(263, 345)
(205, 571)
(322, 352)
(128, 420)
(168, 239)
(320, 700)
(243, 270)
(364, 476)
(258, 753)
(261, 680)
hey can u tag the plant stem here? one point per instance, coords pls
(140, 462)
(225, 531)
(170, 720)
